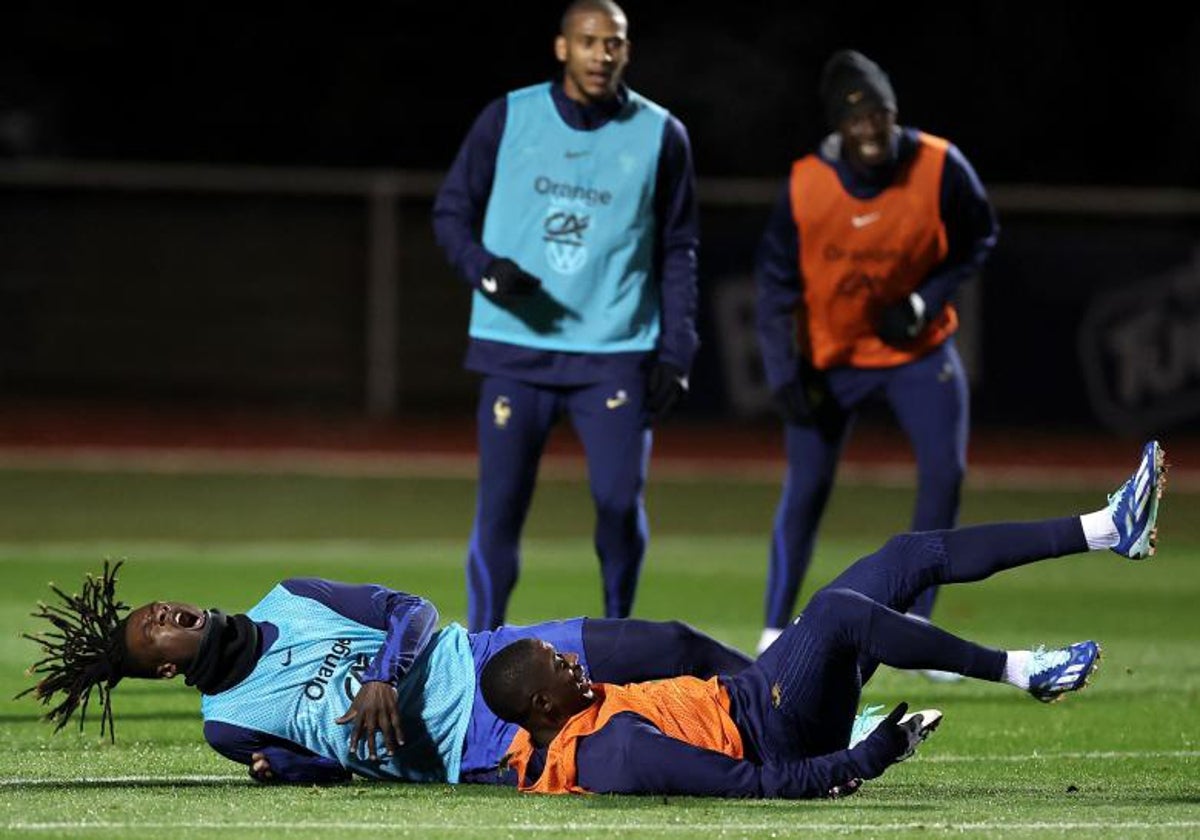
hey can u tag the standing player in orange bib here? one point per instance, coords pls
(863, 252)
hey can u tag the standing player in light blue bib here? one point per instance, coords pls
(570, 210)
(322, 680)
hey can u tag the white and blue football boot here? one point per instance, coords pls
(1054, 673)
(1134, 505)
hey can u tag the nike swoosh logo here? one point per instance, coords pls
(287, 660)
(573, 155)
(489, 285)
(865, 219)
(616, 402)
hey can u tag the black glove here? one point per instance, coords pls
(845, 789)
(888, 743)
(916, 729)
(503, 280)
(665, 387)
(892, 741)
(901, 322)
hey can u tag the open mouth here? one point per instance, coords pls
(189, 620)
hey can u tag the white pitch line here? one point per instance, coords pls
(117, 780)
(574, 827)
(1096, 755)
(1109, 755)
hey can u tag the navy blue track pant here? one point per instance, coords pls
(930, 401)
(800, 697)
(514, 422)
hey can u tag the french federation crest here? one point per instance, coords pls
(564, 233)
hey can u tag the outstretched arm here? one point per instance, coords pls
(631, 755)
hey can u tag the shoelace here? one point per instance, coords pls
(1043, 660)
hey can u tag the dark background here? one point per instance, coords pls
(1088, 314)
(1053, 93)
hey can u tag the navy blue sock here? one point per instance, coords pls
(906, 565)
(901, 641)
(981, 551)
(884, 635)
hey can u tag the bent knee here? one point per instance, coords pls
(909, 544)
(618, 507)
(834, 608)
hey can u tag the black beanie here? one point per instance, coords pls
(851, 80)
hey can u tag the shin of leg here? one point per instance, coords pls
(902, 641)
(620, 540)
(514, 420)
(618, 461)
(494, 552)
(490, 581)
(806, 490)
(939, 485)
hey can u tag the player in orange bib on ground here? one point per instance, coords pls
(785, 727)
(869, 240)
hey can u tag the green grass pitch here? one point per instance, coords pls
(1120, 760)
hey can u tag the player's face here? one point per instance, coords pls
(563, 679)
(867, 137)
(164, 633)
(594, 52)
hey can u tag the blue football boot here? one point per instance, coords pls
(1054, 673)
(1134, 505)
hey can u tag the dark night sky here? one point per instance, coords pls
(1054, 93)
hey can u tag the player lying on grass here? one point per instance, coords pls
(783, 726)
(322, 679)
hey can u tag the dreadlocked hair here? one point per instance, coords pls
(85, 650)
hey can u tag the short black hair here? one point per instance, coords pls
(580, 7)
(504, 681)
(85, 650)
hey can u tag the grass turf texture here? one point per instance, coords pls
(1120, 760)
